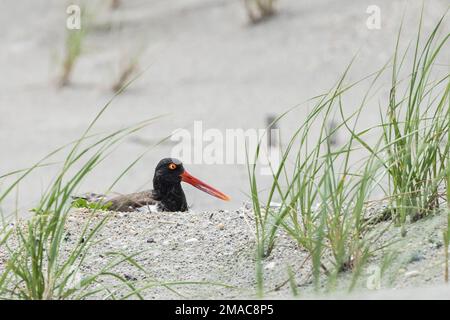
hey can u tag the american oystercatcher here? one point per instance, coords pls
(167, 194)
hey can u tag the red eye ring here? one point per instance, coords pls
(172, 166)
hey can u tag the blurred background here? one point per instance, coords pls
(227, 63)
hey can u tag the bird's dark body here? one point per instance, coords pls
(167, 193)
(171, 198)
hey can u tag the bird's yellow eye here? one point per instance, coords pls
(172, 166)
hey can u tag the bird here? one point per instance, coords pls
(167, 193)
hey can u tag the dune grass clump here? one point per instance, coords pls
(446, 232)
(259, 10)
(126, 72)
(73, 49)
(115, 4)
(415, 127)
(324, 189)
(322, 195)
(35, 267)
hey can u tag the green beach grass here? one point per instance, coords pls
(323, 194)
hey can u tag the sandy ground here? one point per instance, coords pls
(205, 63)
(217, 251)
(219, 247)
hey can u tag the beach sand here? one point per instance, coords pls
(211, 255)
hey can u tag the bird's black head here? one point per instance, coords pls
(169, 171)
(167, 185)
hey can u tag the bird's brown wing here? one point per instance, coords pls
(122, 202)
(132, 201)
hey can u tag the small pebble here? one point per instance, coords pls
(129, 277)
(67, 236)
(221, 226)
(415, 257)
(412, 273)
(150, 240)
(438, 245)
(192, 240)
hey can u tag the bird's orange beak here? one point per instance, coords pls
(186, 177)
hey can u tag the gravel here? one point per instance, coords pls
(214, 252)
(212, 248)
